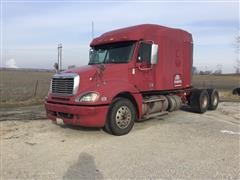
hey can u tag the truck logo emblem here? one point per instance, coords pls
(177, 80)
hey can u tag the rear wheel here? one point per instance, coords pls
(213, 99)
(171, 103)
(199, 100)
(121, 117)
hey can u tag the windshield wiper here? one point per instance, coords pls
(92, 63)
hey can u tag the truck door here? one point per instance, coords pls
(142, 75)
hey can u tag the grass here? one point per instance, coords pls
(17, 86)
(226, 95)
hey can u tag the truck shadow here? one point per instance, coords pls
(84, 168)
(187, 109)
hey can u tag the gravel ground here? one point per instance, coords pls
(24, 113)
(179, 145)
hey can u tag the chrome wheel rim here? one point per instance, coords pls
(204, 102)
(215, 100)
(123, 117)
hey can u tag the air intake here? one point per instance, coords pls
(65, 84)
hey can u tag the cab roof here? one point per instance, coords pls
(140, 32)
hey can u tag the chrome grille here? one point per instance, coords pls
(65, 84)
(62, 85)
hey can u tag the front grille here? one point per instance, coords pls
(61, 114)
(62, 86)
(64, 115)
(65, 84)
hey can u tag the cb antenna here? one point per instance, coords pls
(92, 29)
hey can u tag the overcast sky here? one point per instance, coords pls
(32, 30)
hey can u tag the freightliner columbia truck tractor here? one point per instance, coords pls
(135, 73)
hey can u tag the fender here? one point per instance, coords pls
(113, 88)
(110, 89)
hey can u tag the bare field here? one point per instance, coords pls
(222, 82)
(17, 86)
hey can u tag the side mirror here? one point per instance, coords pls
(90, 53)
(148, 53)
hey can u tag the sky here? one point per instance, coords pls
(31, 30)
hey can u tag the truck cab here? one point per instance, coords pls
(133, 74)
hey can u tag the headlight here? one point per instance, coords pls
(88, 97)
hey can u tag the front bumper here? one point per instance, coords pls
(88, 116)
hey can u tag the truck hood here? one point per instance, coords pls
(90, 75)
(84, 70)
(111, 71)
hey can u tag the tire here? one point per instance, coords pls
(178, 102)
(107, 129)
(199, 101)
(121, 117)
(213, 99)
(171, 103)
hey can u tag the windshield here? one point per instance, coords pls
(120, 52)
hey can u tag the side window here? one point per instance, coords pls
(144, 52)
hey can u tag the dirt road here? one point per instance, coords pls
(179, 145)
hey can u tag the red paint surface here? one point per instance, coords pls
(93, 116)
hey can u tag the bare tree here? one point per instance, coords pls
(55, 65)
(219, 70)
(194, 70)
(207, 72)
(72, 66)
(237, 67)
(237, 46)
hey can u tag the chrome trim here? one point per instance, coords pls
(65, 75)
(75, 86)
(154, 54)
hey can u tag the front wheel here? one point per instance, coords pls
(121, 117)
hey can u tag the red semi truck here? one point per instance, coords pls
(133, 74)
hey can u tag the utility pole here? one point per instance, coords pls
(59, 57)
